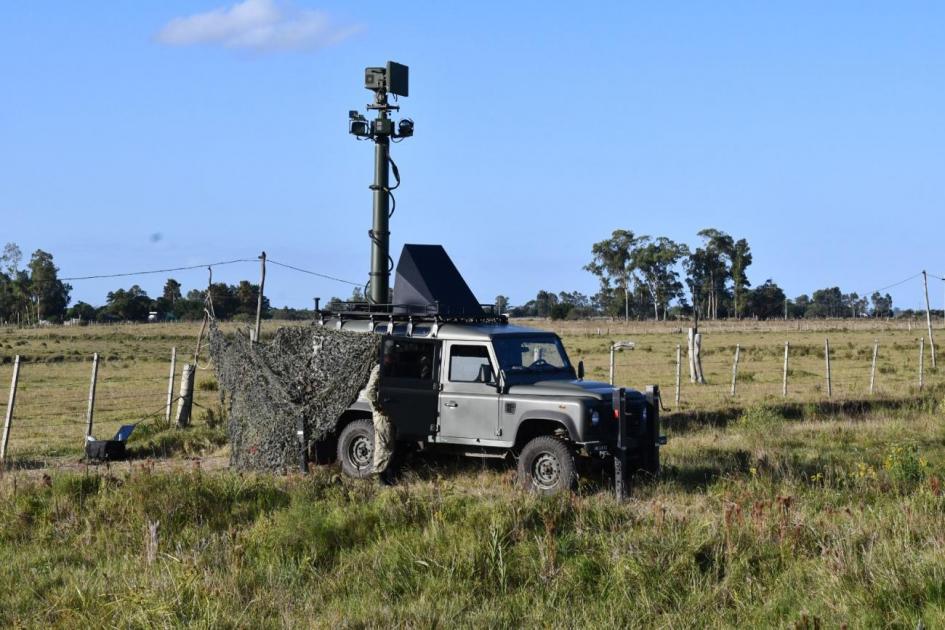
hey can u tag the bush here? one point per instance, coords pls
(758, 417)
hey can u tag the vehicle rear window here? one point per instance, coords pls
(406, 358)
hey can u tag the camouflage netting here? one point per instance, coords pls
(313, 373)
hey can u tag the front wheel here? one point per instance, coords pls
(546, 466)
(356, 449)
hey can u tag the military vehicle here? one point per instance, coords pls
(456, 375)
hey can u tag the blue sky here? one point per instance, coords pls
(815, 130)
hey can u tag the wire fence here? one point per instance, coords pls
(52, 412)
(761, 374)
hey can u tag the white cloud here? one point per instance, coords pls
(263, 25)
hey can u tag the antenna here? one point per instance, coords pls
(392, 79)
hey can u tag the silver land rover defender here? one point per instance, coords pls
(455, 375)
(492, 389)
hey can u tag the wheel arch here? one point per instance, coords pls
(535, 424)
(323, 451)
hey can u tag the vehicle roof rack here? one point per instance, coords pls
(408, 313)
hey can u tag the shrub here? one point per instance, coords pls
(759, 417)
(904, 466)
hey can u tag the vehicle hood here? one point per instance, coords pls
(591, 389)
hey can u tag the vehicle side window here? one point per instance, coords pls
(466, 363)
(404, 358)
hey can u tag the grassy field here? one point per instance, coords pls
(803, 512)
(809, 517)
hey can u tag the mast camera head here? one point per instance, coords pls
(405, 128)
(358, 124)
(393, 79)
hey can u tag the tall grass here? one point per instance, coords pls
(774, 519)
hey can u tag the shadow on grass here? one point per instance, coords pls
(156, 441)
(24, 463)
(852, 409)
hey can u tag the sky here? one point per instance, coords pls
(147, 135)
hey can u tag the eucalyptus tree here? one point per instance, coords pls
(654, 262)
(612, 263)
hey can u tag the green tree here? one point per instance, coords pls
(882, 305)
(707, 271)
(826, 303)
(247, 297)
(740, 259)
(654, 263)
(224, 300)
(11, 258)
(171, 291)
(544, 302)
(49, 295)
(766, 301)
(128, 305)
(82, 311)
(501, 304)
(612, 263)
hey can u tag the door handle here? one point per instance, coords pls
(451, 404)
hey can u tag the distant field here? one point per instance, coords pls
(49, 419)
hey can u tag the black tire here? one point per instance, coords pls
(546, 466)
(356, 449)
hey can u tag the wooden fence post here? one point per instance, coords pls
(89, 415)
(921, 363)
(678, 370)
(873, 367)
(11, 401)
(827, 361)
(259, 298)
(612, 350)
(787, 345)
(928, 315)
(738, 350)
(186, 398)
(170, 386)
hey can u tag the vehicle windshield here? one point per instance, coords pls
(535, 354)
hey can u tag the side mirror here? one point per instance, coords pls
(580, 370)
(486, 375)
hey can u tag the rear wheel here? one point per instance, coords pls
(356, 449)
(546, 466)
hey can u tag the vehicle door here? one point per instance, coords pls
(469, 402)
(409, 384)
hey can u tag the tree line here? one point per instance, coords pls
(34, 294)
(642, 277)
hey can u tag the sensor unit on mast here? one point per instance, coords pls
(392, 79)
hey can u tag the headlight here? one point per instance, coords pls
(595, 418)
